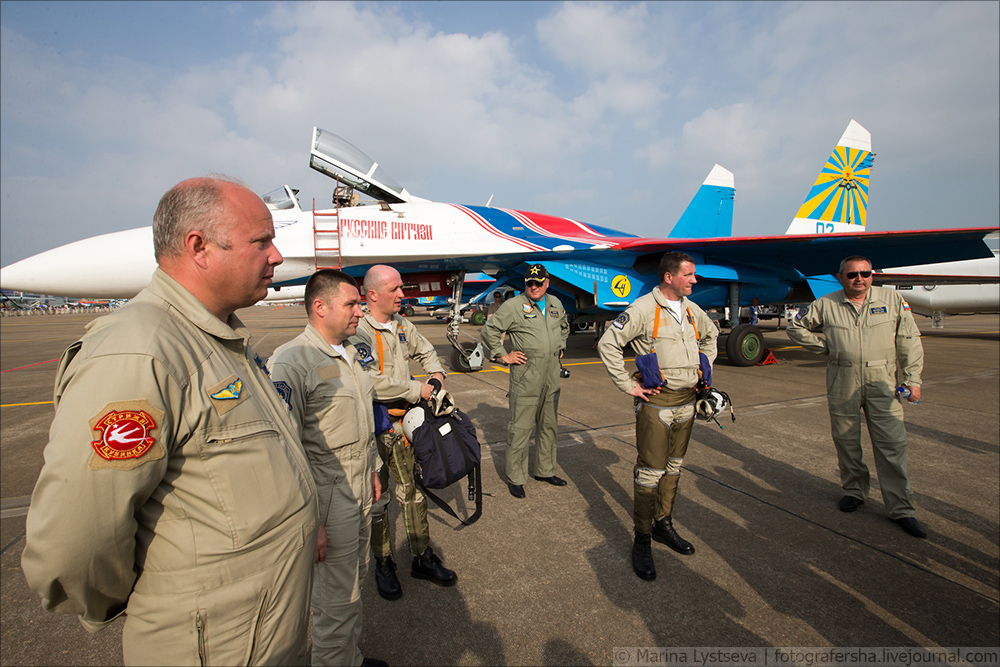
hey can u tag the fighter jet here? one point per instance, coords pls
(596, 271)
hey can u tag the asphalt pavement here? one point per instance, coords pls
(547, 580)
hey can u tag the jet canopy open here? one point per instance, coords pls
(338, 158)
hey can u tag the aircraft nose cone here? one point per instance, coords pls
(110, 266)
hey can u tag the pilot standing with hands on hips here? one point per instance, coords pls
(666, 322)
(537, 327)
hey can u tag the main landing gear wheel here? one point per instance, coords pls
(408, 310)
(459, 362)
(745, 345)
(478, 317)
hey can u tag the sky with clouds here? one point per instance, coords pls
(609, 113)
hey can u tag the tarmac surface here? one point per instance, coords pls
(547, 580)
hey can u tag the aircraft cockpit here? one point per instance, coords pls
(339, 159)
(282, 199)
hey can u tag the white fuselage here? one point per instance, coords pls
(953, 299)
(121, 264)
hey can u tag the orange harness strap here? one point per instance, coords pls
(697, 337)
(656, 325)
(379, 336)
(393, 412)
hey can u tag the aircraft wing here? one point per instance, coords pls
(766, 269)
(811, 254)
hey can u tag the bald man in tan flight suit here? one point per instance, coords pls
(175, 487)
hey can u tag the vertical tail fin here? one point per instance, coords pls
(838, 200)
(710, 213)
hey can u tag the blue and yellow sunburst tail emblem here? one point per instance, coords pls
(230, 392)
(840, 193)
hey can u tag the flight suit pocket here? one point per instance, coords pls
(227, 635)
(880, 378)
(880, 338)
(338, 422)
(326, 491)
(842, 381)
(256, 483)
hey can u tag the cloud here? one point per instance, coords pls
(599, 110)
(603, 39)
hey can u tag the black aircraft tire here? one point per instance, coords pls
(459, 363)
(408, 310)
(745, 345)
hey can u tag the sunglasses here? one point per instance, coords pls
(851, 275)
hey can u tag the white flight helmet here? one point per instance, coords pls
(412, 420)
(711, 404)
(440, 405)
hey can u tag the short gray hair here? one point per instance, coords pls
(193, 204)
(854, 258)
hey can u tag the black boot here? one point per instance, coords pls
(385, 578)
(642, 557)
(663, 531)
(428, 566)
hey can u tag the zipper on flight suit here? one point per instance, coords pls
(200, 625)
(259, 621)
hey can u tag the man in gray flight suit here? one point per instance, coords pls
(537, 327)
(175, 487)
(664, 321)
(387, 342)
(329, 394)
(868, 330)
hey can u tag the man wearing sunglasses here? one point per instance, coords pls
(869, 333)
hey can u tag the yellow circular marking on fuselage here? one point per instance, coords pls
(621, 285)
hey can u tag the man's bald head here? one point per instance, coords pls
(384, 291)
(379, 276)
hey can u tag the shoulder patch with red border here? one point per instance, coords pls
(124, 435)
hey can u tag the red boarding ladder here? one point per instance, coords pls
(326, 235)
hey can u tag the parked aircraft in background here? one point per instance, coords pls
(286, 294)
(949, 288)
(594, 270)
(933, 290)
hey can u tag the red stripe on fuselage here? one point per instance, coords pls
(496, 232)
(564, 228)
